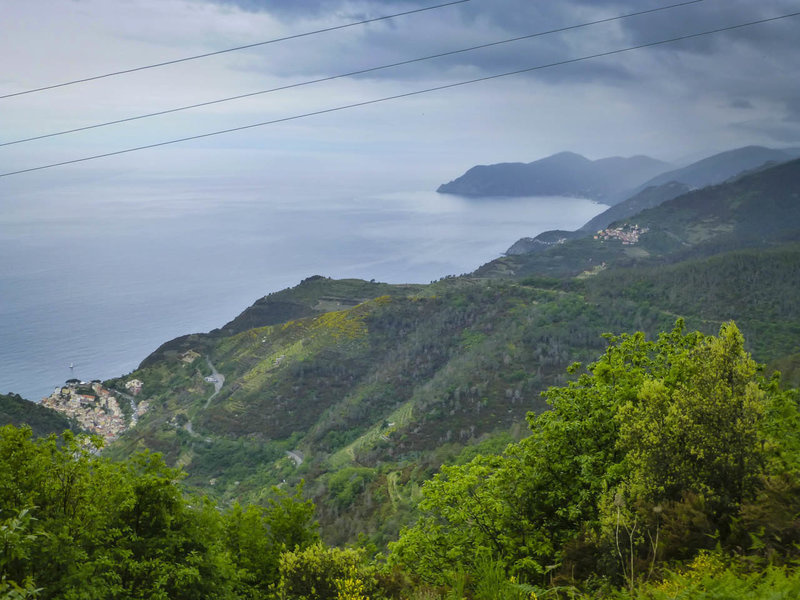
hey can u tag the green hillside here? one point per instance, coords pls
(377, 396)
(16, 410)
(668, 467)
(757, 210)
(395, 385)
(365, 389)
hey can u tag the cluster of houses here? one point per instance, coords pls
(94, 407)
(134, 386)
(628, 234)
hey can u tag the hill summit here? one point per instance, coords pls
(563, 174)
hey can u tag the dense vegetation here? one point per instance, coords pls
(16, 410)
(668, 467)
(658, 451)
(74, 525)
(376, 397)
(385, 392)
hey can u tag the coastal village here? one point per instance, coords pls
(96, 408)
(627, 234)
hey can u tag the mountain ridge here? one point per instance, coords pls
(562, 174)
(711, 170)
(757, 209)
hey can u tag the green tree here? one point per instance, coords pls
(319, 572)
(654, 440)
(256, 536)
(697, 427)
(102, 529)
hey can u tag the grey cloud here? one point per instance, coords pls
(793, 109)
(741, 103)
(482, 21)
(771, 131)
(711, 15)
(302, 9)
(456, 28)
(727, 67)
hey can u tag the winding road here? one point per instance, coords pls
(219, 381)
(295, 456)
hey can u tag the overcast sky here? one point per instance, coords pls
(673, 102)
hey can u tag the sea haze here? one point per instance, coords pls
(99, 282)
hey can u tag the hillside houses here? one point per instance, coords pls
(94, 407)
(627, 234)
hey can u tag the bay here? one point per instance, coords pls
(99, 281)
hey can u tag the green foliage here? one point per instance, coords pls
(346, 484)
(256, 537)
(77, 526)
(16, 543)
(755, 288)
(15, 410)
(324, 573)
(697, 427)
(658, 449)
(710, 577)
(445, 364)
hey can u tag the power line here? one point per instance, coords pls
(244, 47)
(404, 95)
(350, 74)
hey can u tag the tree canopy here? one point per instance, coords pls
(75, 525)
(658, 450)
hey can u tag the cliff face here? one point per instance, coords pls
(564, 174)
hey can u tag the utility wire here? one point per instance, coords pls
(244, 47)
(406, 94)
(350, 74)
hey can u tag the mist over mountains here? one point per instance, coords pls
(563, 174)
(608, 180)
(665, 186)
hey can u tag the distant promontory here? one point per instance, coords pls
(605, 180)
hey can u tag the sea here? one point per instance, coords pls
(90, 284)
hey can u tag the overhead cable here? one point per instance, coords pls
(350, 74)
(406, 94)
(244, 47)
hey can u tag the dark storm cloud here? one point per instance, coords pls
(295, 9)
(715, 14)
(443, 31)
(485, 21)
(734, 69)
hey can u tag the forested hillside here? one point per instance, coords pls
(15, 410)
(660, 453)
(758, 210)
(666, 468)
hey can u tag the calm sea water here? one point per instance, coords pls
(101, 282)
